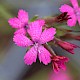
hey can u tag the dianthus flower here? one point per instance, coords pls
(67, 46)
(58, 63)
(37, 39)
(74, 12)
(21, 22)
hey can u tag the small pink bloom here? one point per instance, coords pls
(58, 63)
(37, 39)
(21, 21)
(67, 46)
(74, 12)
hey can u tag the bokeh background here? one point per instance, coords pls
(12, 65)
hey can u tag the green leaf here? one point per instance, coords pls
(34, 18)
(60, 33)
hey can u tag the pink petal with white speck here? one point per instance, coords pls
(22, 40)
(15, 23)
(44, 55)
(72, 22)
(67, 8)
(21, 31)
(35, 30)
(47, 35)
(74, 3)
(30, 56)
(23, 16)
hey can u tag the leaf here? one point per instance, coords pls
(34, 18)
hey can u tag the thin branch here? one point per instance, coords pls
(49, 49)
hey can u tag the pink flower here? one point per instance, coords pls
(67, 46)
(37, 39)
(62, 75)
(21, 22)
(58, 63)
(73, 12)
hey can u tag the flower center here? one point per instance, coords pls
(26, 26)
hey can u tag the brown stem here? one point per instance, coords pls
(49, 49)
(60, 18)
(50, 20)
(56, 39)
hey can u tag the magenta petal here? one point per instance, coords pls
(35, 29)
(72, 22)
(15, 23)
(30, 56)
(58, 63)
(74, 3)
(41, 22)
(22, 40)
(47, 35)
(66, 8)
(55, 67)
(23, 16)
(44, 55)
(63, 66)
(21, 31)
(78, 18)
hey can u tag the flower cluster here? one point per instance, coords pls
(74, 12)
(36, 40)
(37, 34)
